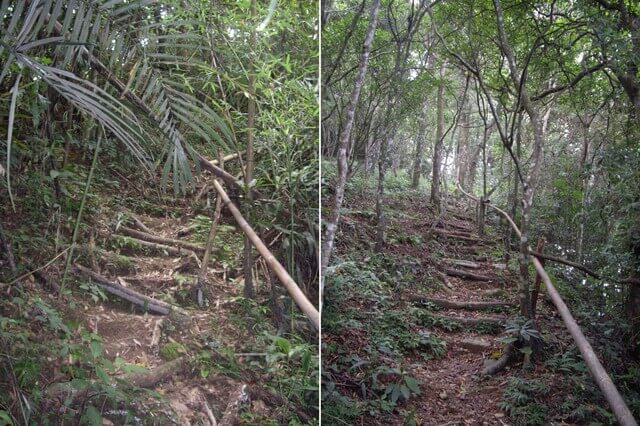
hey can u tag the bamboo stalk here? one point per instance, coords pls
(298, 296)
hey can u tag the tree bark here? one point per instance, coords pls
(247, 259)
(420, 143)
(343, 147)
(536, 162)
(439, 145)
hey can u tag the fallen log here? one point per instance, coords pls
(146, 303)
(467, 275)
(162, 240)
(296, 294)
(454, 304)
(458, 237)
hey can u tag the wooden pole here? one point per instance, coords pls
(298, 296)
(599, 374)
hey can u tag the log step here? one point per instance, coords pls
(468, 275)
(471, 321)
(470, 305)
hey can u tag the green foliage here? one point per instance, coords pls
(172, 351)
(523, 401)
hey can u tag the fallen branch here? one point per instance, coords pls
(467, 275)
(298, 296)
(452, 234)
(146, 303)
(162, 240)
(452, 304)
(446, 284)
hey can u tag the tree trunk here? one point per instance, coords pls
(334, 217)
(534, 171)
(439, 146)
(381, 220)
(247, 263)
(417, 162)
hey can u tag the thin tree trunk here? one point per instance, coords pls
(439, 145)
(247, 263)
(332, 224)
(534, 171)
(381, 219)
(420, 143)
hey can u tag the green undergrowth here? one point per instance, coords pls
(361, 302)
(560, 389)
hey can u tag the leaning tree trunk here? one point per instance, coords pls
(343, 146)
(439, 146)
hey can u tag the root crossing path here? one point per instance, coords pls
(431, 307)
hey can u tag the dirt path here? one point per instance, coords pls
(221, 341)
(447, 264)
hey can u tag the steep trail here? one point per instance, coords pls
(478, 298)
(222, 344)
(432, 306)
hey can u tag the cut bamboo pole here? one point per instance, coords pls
(298, 296)
(599, 374)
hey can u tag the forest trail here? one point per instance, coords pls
(431, 307)
(205, 362)
(469, 308)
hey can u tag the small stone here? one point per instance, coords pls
(443, 395)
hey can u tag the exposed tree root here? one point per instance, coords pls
(501, 363)
(162, 240)
(451, 304)
(144, 302)
(467, 275)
